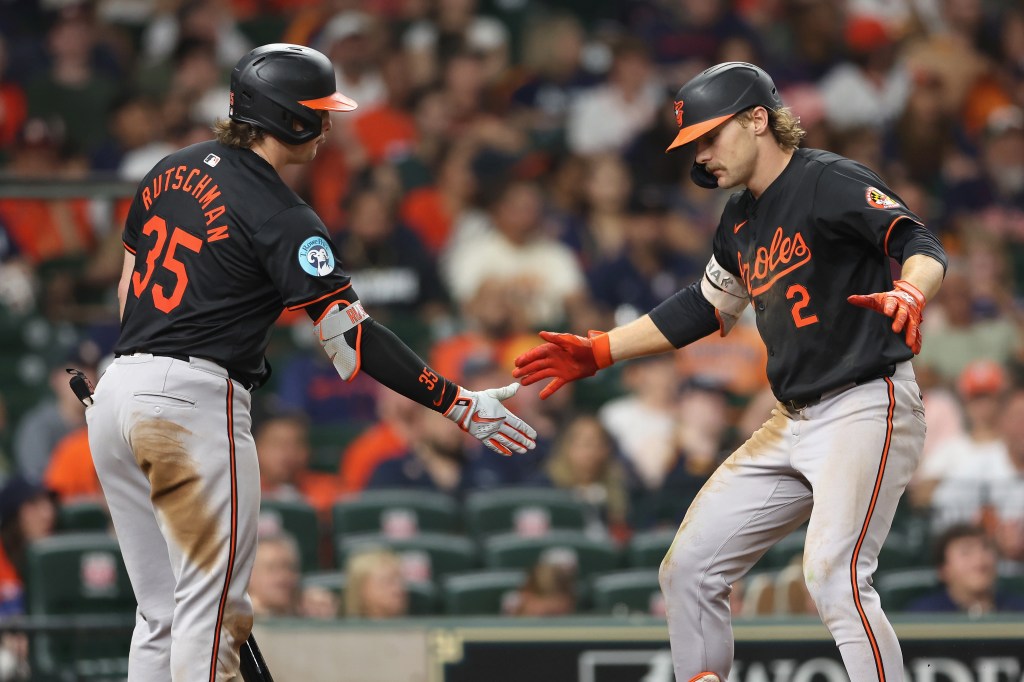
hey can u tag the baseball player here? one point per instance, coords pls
(217, 246)
(809, 234)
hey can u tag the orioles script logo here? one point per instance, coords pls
(785, 255)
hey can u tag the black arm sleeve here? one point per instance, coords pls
(685, 316)
(387, 359)
(909, 238)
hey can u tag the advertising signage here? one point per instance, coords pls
(953, 652)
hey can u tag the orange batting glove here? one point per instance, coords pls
(564, 358)
(904, 304)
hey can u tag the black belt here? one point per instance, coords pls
(232, 374)
(799, 404)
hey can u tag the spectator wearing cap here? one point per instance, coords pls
(44, 229)
(957, 478)
(27, 514)
(966, 560)
(871, 87)
(54, 417)
(350, 39)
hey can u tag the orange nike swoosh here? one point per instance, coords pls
(737, 226)
(437, 403)
(485, 420)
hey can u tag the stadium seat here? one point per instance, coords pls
(396, 513)
(626, 592)
(300, 521)
(427, 556)
(898, 588)
(82, 516)
(647, 549)
(327, 442)
(524, 511)
(423, 594)
(78, 574)
(479, 592)
(589, 555)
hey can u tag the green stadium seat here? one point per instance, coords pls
(525, 511)
(626, 592)
(83, 516)
(423, 594)
(300, 521)
(897, 589)
(479, 592)
(590, 555)
(427, 556)
(396, 513)
(1012, 583)
(647, 549)
(79, 574)
(327, 442)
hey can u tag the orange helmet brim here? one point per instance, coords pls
(335, 102)
(692, 132)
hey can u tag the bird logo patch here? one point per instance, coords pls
(679, 112)
(879, 199)
(316, 257)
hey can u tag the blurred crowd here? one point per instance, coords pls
(505, 172)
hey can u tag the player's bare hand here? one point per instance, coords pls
(564, 358)
(481, 415)
(904, 304)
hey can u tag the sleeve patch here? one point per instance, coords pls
(316, 257)
(878, 199)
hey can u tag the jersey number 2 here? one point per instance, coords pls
(179, 237)
(799, 292)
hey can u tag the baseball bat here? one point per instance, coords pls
(253, 667)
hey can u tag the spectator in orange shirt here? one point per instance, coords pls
(70, 473)
(283, 450)
(388, 438)
(44, 229)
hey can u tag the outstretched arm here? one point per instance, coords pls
(922, 277)
(925, 273)
(683, 318)
(355, 342)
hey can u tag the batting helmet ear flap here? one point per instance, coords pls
(701, 177)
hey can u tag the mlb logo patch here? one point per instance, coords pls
(211, 160)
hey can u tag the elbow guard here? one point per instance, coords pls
(332, 331)
(726, 293)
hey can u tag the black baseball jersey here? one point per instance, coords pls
(222, 246)
(819, 233)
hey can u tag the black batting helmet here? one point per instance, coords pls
(277, 85)
(713, 97)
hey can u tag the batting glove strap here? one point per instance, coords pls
(481, 415)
